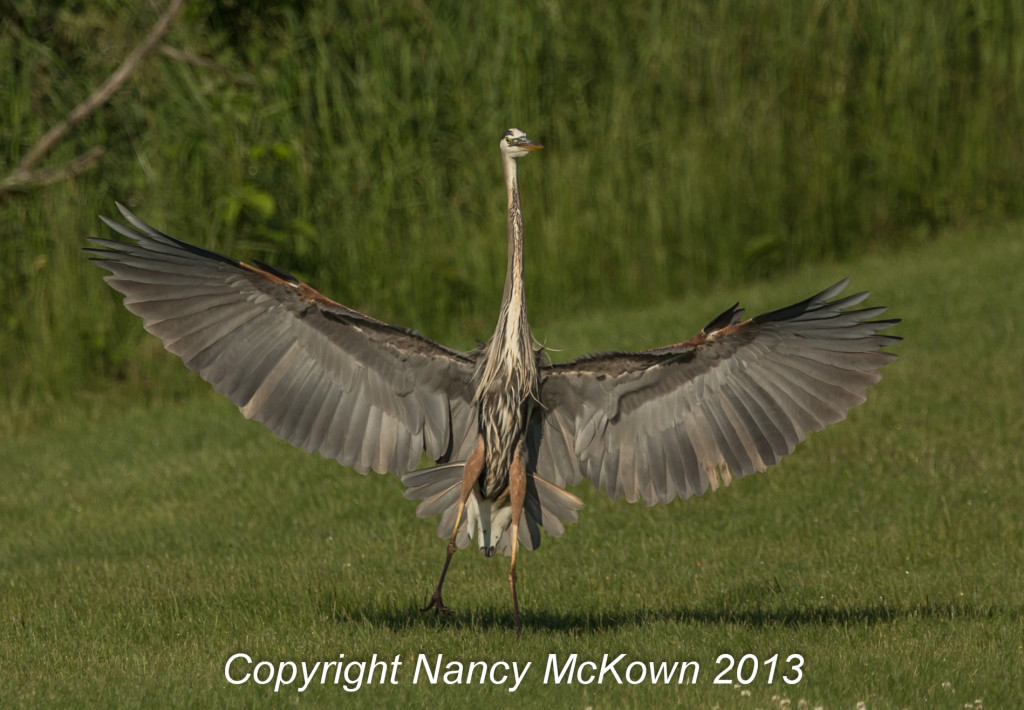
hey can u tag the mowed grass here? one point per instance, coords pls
(142, 548)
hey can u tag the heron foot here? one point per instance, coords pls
(437, 605)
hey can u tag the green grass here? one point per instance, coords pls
(143, 546)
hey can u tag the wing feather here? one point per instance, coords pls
(318, 374)
(677, 420)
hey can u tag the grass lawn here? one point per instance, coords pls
(883, 562)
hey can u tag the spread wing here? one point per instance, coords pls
(733, 400)
(318, 374)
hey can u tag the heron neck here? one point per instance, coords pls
(509, 364)
(513, 315)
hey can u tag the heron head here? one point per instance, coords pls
(515, 144)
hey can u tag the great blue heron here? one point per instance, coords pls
(508, 430)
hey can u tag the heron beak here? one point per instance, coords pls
(526, 144)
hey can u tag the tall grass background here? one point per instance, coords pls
(689, 145)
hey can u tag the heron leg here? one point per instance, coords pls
(517, 494)
(471, 471)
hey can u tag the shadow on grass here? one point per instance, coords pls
(394, 617)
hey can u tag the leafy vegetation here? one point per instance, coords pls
(353, 144)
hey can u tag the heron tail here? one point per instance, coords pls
(437, 488)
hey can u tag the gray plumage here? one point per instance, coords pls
(653, 426)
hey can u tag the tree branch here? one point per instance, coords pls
(24, 179)
(24, 175)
